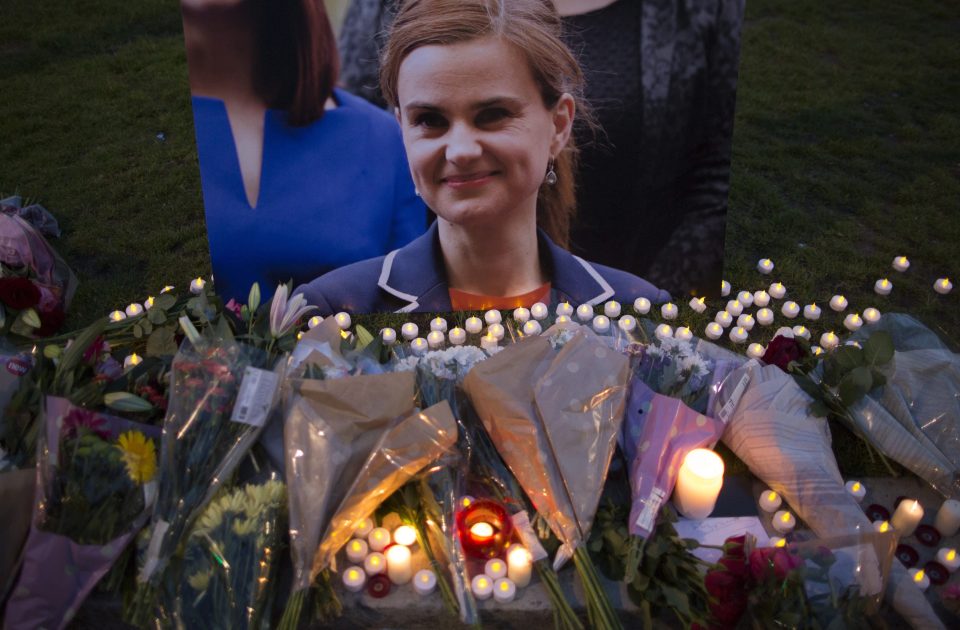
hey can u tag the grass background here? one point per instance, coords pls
(846, 152)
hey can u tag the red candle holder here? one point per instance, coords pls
(485, 529)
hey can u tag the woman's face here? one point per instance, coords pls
(477, 134)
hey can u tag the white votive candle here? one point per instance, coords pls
(584, 312)
(783, 522)
(739, 334)
(627, 323)
(948, 518)
(399, 568)
(521, 315)
(439, 324)
(641, 305)
(196, 285)
(495, 568)
(723, 318)
(436, 339)
(669, 310)
(770, 501)
(920, 579)
(314, 321)
(375, 563)
(148, 303)
(419, 346)
(838, 303)
(343, 320)
(497, 330)
(801, 331)
(907, 517)
(488, 342)
(881, 527)
(504, 590)
(698, 483)
(562, 319)
(132, 360)
(539, 310)
(724, 288)
(816, 350)
(734, 308)
(612, 309)
(531, 328)
(790, 309)
(354, 579)
(853, 322)
(482, 587)
(473, 325)
(746, 321)
(871, 315)
(713, 330)
(378, 538)
(519, 565)
(811, 312)
(765, 316)
(167, 289)
(364, 527)
(664, 331)
(409, 331)
(778, 541)
(949, 558)
(829, 340)
(784, 331)
(777, 291)
(405, 535)
(761, 298)
(565, 309)
(601, 324)
(698, 304)
(943, 286)
(457, 336)
(492, 316)
(117, 316)
(755, 350)
(683, 334)
(133, 309)
(765, 266)
(424, 582)
(357, 550)
(856, 490)
(745, 298)
(883, 286)
(900, 263)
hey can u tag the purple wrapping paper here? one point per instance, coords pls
(658, 432)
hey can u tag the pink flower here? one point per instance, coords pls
(780, 559)
(233, 307)
(79, 418)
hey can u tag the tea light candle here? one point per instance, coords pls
(739, 334)
(790, 309)
(375, 563)
(504, 590)
(838, 303)
(724, 288)
(811, 312)
(435, 339)
(698, 304)
(778, 541)
(627, 323)
(883, 286)
(495, 568)
(698, 483)
(473, 325)
(765, 316)
(745, 298)
(601, 324)
(562, 319)
(612, 309)
(816, 350)
(663, 331)
(497, 330)
(564, 308)
(196, 285)
(343, 320)
(856, 490)
(457, 336)
(132, 360)
(399, 569)
(488, 342)
(871, 315)
(746, 321)
(777, 291)
(314, 321)
(405, 535)
(801, 331)
(943, 286)
(521, 315)
(354, 579)
(148, 303)
(419, 346)
(784, 522)
(117, 316)
(755, 350)
(364, 528)
(723, 318)
(853, 322)
(584, 312)
(519, 565)
(133, 310)
(683, 334)
(713, 330)
(761, 298)
(770, 501)
(734, 308)
(829, 341)
(531, 328)
(378, 538)
(907, 517)
(948, 518)
(492, 317)
(539, 310)
(409, 331)
(482, 587)
(167, 289)
(881, 526)
(641, 305)
(765, 266)
(920, 579)
(855, 344)
(669, 310)
(357, 550)
(424, 582)
(784, 331)
(466, 500)
(900, 263)
(949, 559)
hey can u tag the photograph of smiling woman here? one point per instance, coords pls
(486, 94)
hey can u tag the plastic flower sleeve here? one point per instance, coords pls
(88, 508)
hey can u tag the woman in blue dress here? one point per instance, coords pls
(298, 177)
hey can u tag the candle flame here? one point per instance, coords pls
(786, 517)
(918, 577)
(135, 359)
(902, 259)
(504, 586)
(701, 300)
(884, 526)
(772, 496)
(353, 574)
(951, 555)
(495, 566)
(856, 486)
(782, 542)
(424, 577)
(374, 560)
(885, 283)
(483, 582)
(355, 545)
(482, 530)
(378, 535)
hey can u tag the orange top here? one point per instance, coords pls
(463, 301)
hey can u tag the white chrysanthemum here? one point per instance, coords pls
(560, 338)
(693, 364)
(245, 526)
(450, 363)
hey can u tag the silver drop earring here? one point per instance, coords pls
(551, 177)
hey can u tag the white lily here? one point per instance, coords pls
(284, 313)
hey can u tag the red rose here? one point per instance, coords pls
(19, 293)
(723, 585)
(727, 613)
(50, 322)
(736, 566)
(733, 547)
(781, 560)
(781, 351)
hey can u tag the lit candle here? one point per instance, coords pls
(855, 344)
(435, 339)
(521, 315)
(482, 587)
(612, 309)
(784, 522)
(378, 538)
(745, 298)
(495, 568)
(405, 535)
(734, 308)
(196, 285)
(948, 518)
(357, 550)
(424, 582)
(132, 361)
(920, 579)
(907, 517)
(663, 331)
(784, 331)
(354, 579)
(504, 590)
(777, 291)
(900, 263)
(698, 304)
(949, 559)
(117, 316)
(683, 334)
(419, 346)
(765, 316)
(755, 350)
(713, 330)
(943, 286)
(584, 312)
(133, 310)
(627, 323)
(167, 289)
(669, 310)
(531, 328)
(765, 266)
(698, 483)
(539, 310)
(409, 331)
(492, 317)
(641, 305)
(343, 320)
(829, 341)
(466, 500)
(314, 321)
(389, 336)
(778, 541)
(790, 309)
(761, 298)
(816, 350)
(871, 315)
(473, 325)
(148, 304)
(883, 286)
(856, 490)
(562, 319)
(481, 530)
(881, 526)
(457, 336)
(723, 318)
(399, 569)
(811, 312)
(838, 303)
(746, 321)
(564, 308)
(364, 528)
(739, 334)
(497, 330)
(853, 322)
(724, 288)
(770, 501)
(438, 323)
(801, 331)
(488, 342)
(519, 564)
(601, 323)
(375, 563)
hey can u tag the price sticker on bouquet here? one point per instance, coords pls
(256, 395)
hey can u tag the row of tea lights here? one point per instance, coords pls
(883, 286)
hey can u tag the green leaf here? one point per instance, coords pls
(676, 599)
(146, 326)
(847, 358)
(161, 342)
(878, 349)
(125, 401)
(164, 302)
(137, 331)
(73, 354)
(157, 315)
(30, 318)
(807, 385)
(879, 378)
(817, 408)
(253, 299)
(855, 385)
(364, 337)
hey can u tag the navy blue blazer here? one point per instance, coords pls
(412, 279)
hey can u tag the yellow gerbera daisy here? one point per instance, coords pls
(140, 456)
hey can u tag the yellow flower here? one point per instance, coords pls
(140, 456)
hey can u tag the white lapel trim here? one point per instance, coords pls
(607, 289)
(382, 283)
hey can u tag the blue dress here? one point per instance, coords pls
(331, 193)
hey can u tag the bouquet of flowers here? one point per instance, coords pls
(95, 483)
